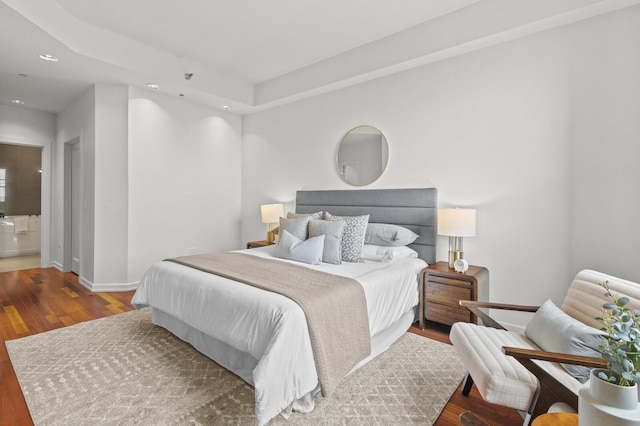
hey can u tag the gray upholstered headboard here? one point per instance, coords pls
(413, 208)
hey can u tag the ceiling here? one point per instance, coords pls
(249, 55)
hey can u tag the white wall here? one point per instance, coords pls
(111, 186)
(22, 126)
(605, 146)
(76, 122)
(161, 176)
(494, 129)
(184, 179)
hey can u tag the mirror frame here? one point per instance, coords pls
(337, 162)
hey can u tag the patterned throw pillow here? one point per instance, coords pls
(352, 241)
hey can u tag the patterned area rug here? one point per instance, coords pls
(125, 370)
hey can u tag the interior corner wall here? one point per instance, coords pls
(493, 129)
(23, 126)
(184, 179)
(605, 145)
(111, 187)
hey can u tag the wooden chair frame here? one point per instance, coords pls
(549, 390)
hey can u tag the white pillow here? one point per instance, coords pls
(376, 253)
(385, 234)
(307, 251)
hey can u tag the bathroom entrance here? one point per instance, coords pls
(20, 206)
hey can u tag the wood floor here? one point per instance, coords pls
(37, 300)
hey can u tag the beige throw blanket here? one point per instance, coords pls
(335, 306)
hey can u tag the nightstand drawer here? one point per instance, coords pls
(459, 280)
(445, 314)
(447, 294)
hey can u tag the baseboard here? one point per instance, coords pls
(57, 265)
(108, 287)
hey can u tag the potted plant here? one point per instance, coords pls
(621, 345)
(617, 384)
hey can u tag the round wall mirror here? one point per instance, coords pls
(362, 155)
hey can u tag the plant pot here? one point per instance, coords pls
(603, 403)
(623, 397)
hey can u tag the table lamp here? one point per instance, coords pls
(271, 214)
(456, 223)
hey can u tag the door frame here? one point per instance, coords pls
(67, 254)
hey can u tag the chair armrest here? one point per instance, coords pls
(476, 306)
(554, 391)
(587, 361)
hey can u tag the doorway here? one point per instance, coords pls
(72, 206)
(20, 206)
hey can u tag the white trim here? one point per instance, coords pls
(108, 287)
(57, 265)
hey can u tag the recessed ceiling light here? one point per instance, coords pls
(226, 107)
(47, 57)
(153, 86)
(17, 101)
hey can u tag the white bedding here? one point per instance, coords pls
(269, 326)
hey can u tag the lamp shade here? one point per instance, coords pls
(271, 213)
(457, 222)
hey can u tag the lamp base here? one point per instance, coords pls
(271, 237)
(453, 256)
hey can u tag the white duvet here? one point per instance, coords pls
(268, 326)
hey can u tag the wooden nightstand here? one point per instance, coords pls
(441, 288)
(261, 243)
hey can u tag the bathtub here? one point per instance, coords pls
(19, 235)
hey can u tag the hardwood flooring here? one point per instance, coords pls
(37, 300)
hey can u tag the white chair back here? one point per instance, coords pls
(585, 297)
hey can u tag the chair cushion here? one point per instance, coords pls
(500, 379)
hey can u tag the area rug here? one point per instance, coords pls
(124, 370)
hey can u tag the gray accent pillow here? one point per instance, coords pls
(332, 231)
(384, 234)
(316, 215)
(296, 227)
(556, 331)
(352, 241)
(307, 251)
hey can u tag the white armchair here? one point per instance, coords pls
(512, 370)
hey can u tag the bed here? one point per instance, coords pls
(263, 337)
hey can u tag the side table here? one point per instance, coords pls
(442, 288)
(260, 243)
